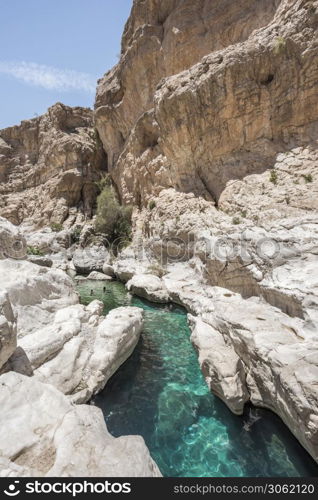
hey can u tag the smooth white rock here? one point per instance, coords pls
(96, 276)
(43, 434)
(8, 332)
(223, 369)
(148, 286)
(90, 259)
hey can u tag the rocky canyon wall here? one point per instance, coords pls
(206, 92)
(210, 124)
(49, 166)
(209, 127)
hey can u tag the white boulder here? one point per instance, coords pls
(89, 259)
(96, 276)
(221, 366)
(8, 333)
(108, 270)
(70, 345)
(43, 434)
(148, 286)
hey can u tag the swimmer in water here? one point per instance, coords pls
(92, 292)
(104, 289)
(253, 417)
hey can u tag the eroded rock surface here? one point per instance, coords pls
(49, 166)
(59, 341)
(210, 126)
(43, 434)
(207, 93)
(8, 333)
(90, 259)
(222, 367)
(162, 39)
(250, 350)
(148, 286)
(69, 345)
(74, 350)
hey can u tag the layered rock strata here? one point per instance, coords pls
(207, 93)
(49, 166)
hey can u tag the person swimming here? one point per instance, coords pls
(92, 292)
(253, 417)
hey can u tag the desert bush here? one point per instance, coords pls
(157, 270)
(236, 220)
(280, 44)
(273, 177)
(104, 182)
(34, 251)
(152, 205)
(76, 234)
(308, 178)
(112, 219)
(56, 227)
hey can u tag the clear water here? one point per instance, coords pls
(161, 394)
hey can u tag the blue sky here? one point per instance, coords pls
(55, 50)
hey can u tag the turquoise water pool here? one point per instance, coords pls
(161, 394)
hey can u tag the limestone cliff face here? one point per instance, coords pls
(212, 115)
(49, 165)
(206, 92)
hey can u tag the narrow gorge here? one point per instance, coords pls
(159, 255)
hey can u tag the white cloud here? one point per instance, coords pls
(49, 77)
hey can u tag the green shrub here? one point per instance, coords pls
(104, 182)
(76, 234)
(308, 177)
(112, 219)
(244, 214)
(157, 270)
(56, 227)
(152, 205)
(34, 251)
(273, 177)
(236, 220)
(280, 44)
